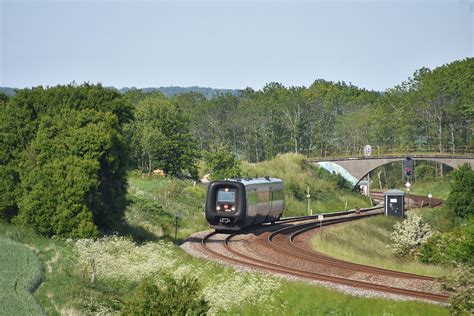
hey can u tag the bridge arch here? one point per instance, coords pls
(360, 167)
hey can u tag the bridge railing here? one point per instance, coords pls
(379, 151)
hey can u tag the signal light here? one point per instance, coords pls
(408, 172)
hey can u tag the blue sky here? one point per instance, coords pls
(227, 44)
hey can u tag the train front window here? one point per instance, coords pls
(225, 197)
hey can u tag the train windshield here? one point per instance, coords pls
(223, 196)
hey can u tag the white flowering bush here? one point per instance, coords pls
(119, 258)
(409, 236)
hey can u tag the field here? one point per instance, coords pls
(21, 272)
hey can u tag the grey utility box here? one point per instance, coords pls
(394, 201)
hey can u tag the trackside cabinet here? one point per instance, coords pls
(394, 203)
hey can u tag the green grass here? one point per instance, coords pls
(303, 299)
(439, 188)
(367, 242)
(21, 272)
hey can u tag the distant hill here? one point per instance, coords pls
(8, 91)
(209, 93)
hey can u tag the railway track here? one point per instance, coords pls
(283, 239)
(415, 200)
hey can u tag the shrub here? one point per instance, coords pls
(461, 285)
(456, 246)
(461, 197)
(178, 297)
(409, 236)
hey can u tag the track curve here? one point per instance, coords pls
(281, 238)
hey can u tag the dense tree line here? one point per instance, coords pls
(433, 110)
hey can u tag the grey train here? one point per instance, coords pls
(236, 204)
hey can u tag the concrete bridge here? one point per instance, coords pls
(359, 167)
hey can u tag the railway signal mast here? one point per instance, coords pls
(408, 168)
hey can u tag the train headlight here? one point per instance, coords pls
(218, 208)
(226, 189)
(233, 208)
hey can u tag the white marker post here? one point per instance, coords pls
(320, 218)
(308, 196)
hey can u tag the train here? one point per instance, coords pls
(235, 204)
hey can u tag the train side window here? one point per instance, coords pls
(277, 195)
(252, 197)
(263, 196)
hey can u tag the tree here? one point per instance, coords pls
(162, 137)
(223, 163)
(461, 197)
(64, 159)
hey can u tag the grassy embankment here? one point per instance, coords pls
(368, 241)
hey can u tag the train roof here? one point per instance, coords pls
(250, 181)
